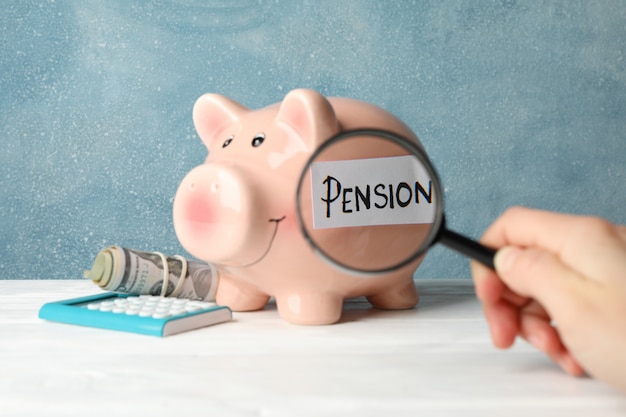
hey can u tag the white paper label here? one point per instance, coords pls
(368, 192)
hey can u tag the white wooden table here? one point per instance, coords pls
(435, 360)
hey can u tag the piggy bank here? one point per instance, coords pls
(238, 212)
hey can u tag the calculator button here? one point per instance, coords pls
(177, 310)
(107, 306)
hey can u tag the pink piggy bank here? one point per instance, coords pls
(238, 212)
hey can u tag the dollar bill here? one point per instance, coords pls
(137, 272)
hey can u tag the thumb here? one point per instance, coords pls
(541, 275)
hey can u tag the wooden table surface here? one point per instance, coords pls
(435, 360)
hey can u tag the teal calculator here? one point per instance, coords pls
(145, 314)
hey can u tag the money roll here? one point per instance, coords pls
(137, 272)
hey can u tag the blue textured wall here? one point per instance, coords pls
(516, 102)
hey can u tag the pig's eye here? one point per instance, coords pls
(228, 141)
(258, 139)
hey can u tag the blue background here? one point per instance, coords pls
(516, 103)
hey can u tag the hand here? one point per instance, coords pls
(560, 283)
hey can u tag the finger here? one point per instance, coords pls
(488, 286)
(503, 320)
(536, 328)
(587, 244)
(542, 276)
(523, 226)
(514, 298)
(567, 362)
(500, 306)
(534, 325)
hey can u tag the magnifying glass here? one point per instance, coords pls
(370, 201)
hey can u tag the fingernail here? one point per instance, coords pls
(505, 258)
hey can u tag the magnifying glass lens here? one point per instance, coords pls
(369, 201)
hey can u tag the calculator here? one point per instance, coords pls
(145, 314)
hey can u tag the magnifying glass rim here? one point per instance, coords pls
(416, 151)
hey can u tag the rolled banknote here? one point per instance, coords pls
(137, 272)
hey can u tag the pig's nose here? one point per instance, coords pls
(216, 215)
(222, 188)
(214, 186)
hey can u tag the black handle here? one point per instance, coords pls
(467, 247)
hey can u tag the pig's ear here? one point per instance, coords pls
(310, 114)
(212, 113)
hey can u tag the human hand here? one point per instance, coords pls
(559, 283)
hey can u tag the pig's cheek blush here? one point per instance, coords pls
(202, 219)
(199, 211)
(290, 222)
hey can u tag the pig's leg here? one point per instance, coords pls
(239, 296)
(396, 297)
(310, 308)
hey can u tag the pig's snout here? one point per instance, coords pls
(217, 217)
(203, 198)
